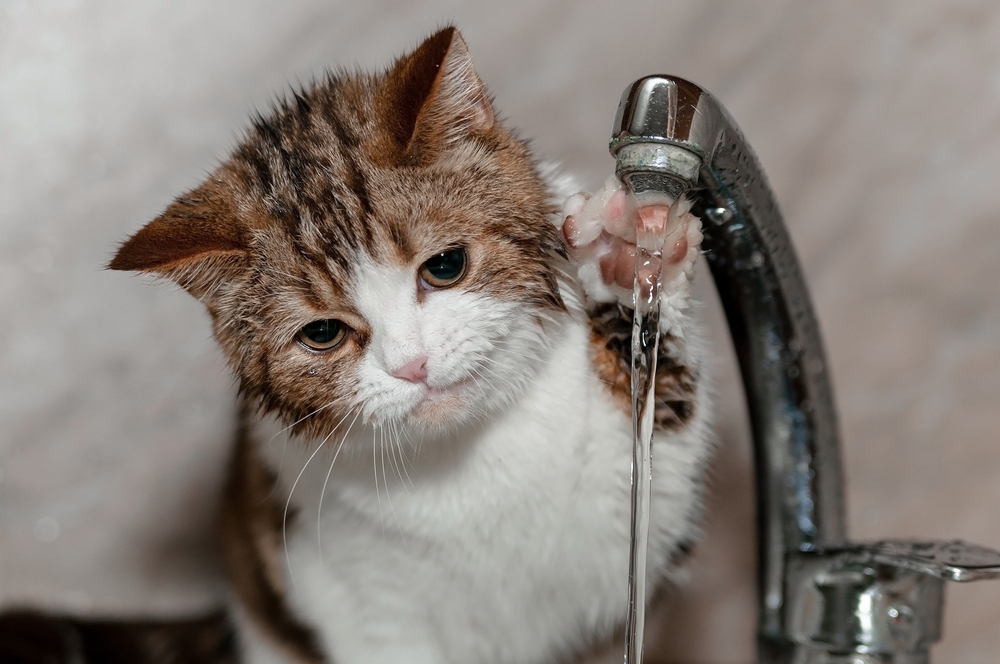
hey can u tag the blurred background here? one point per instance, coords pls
(878, 124)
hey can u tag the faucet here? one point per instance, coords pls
(822, 599)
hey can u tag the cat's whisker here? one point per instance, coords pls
(281, 460)
(322, 493)
(413, 445)
(524, 377)
(281, 467)
(288, 502)
(481, 413)
(539, 360)
(499, 375)
(375, 470)
(532, 358)
(402, 457)
(547, 318)
(392, 455)
(402, 461)
(385, 482)
(585, 376)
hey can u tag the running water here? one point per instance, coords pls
(652, 229)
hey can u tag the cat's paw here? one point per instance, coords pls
(600, 231)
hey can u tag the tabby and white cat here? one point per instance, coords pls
(434, 454)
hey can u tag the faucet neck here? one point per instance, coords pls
(670, 133)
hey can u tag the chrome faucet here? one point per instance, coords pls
(822, 599)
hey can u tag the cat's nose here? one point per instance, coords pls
(414, 371)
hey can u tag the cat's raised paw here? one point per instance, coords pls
(600, 232)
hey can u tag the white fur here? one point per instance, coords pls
(501, 536)
(465, 336)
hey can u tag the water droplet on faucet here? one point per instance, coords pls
(718, 215)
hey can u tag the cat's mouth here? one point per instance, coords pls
(440, 392)
(440, 403)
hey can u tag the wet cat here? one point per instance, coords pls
(434, 454)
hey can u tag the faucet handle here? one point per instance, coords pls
(881, 598)
(955, 560)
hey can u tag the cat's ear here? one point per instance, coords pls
(434, 96)
(194, 242)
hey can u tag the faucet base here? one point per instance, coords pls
(807, 655)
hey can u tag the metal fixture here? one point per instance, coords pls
(823, 600)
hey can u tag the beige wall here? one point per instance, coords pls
(879, 127)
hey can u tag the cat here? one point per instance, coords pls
(431, 337)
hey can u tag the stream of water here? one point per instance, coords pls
(651, 233)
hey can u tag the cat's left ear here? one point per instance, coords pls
(194, 242)
(435, 97)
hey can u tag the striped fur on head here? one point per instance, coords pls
(356, 170)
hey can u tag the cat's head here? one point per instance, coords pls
(379, 244)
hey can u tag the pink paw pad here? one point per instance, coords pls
(601, 229)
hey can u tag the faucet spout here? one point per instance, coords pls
(671, 136)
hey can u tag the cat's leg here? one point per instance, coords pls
(600, 233)
(267, 630)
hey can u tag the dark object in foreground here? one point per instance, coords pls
(28, 637)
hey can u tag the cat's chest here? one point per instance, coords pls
(531, 511)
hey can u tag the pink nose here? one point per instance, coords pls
(414, 371)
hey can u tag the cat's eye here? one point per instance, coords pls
(322, 334)
(445, 269)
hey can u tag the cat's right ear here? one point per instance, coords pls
(194, 242)
(434, 98)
